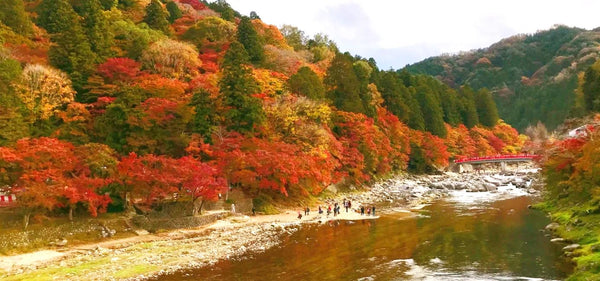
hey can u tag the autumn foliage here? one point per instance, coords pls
(183, 110)
(48, 173)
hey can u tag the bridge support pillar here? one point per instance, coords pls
(503, 166)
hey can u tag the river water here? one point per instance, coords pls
(447, 240)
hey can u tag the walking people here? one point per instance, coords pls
(320, 210)
(373, 210)
(362, 210)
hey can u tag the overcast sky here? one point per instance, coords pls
(400, 32)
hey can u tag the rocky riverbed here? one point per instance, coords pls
(411, 190)
(239, 236)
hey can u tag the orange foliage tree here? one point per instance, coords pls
(49, 174)
(367, 150)
(398, 134)
(459, 142)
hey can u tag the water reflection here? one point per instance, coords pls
(490, 241)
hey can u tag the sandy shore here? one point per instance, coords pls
(142, 257)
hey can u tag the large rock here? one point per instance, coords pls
(552, 227)
(571, 247)
(490, 186)
(437, 185)
(141, 232)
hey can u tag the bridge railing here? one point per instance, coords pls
(496, 157)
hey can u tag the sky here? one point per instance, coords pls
(399, 32)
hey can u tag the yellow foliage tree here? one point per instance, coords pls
(270, 82)
(44, 89)
(173, 59)
(299, 120)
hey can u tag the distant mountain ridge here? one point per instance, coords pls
(532, 77)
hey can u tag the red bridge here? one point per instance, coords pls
(497, 159)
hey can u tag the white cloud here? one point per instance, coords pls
(399, 32)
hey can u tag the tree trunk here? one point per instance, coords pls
(195, 208)
(71, 213)
(201, 204)
(26, 220)
(127, 204)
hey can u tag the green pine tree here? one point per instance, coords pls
(13, 126)
(246, 34)
(174, 11)
(71, 51)
(112, 129)
(450, 106)
(72, 54)
(363, 71)
(392, 90)
(486, 108)
(344, 84)
(205, 115)
(13, 15)
(237, 86)
(307, 83)
(156, 17)
(96, 28)
(468, 111)
(56, 16)
(223, 8)
(432, 112)
(591, 88)
(416, 121)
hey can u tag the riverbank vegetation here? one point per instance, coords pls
(571, 172)
(113, 105)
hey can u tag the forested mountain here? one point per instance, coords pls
(532, 77)
(102, 101)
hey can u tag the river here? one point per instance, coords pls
(447, 240)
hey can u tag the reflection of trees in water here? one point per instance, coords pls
(503, 238)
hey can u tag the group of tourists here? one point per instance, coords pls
(370, 211)
(337, 207)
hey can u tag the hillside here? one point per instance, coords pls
(532, 77)
(105, 101)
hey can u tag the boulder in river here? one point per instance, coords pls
(552, 227)
(571, 247)
(490, 186)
